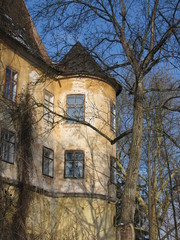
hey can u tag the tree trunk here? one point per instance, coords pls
(154, 229)
(128, 198)
(149, 180)
(154, 221)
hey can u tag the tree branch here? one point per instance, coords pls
(85, 123)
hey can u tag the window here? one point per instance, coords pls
(48, 106)
(48, 162)
(7, 146)
(10, 84)
(74, 164)
(113, 116)
(75, 107)
(112, 170)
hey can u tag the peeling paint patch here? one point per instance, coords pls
(34, 76)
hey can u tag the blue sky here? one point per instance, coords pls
(71, 40)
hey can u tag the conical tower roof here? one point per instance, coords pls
(79, 61)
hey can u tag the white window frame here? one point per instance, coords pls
(48, 162)
(48, 106)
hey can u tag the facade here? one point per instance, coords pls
(57, 163)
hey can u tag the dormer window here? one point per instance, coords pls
(75, 107)
(10, 84)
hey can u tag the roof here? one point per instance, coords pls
(16, 22)
(79, 61)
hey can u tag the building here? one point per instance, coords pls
(57, 164)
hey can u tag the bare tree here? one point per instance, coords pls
(129, 39)
(157, 193)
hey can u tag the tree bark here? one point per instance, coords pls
(149, 181)
(129, 193)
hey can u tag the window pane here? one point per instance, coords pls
(69, 169)
(7, 146)
(51, 154)
(7, 89)
(69, 156)
(48, 153)
(11, 138)
(46, 103)
(46, 97)
(14, 76)
(52, 99)
(113, 116)
(49, 106)
(51, 117)
(48, 162)
(45, 166)
(51, 168)
(11, 148)
(80, 99)
(74, 161)
(112, 122)
(75, 107)
(11, 153)
(45, 112)
(79, 156)
(112, 108)
(10, 84)
(4, 149)
(71, 99)
(71, 112)
(78, 169)
(14, 92)
(5, 135)
(80, 112)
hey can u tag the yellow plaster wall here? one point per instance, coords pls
(66, 136)
(60, 218)
(71, 218)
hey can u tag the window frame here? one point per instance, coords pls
(113, 170)
(8, 142)
(48, 116)
(113, 116)
(65, 164)
(7, 93)
(75, 105)
(49, 159)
